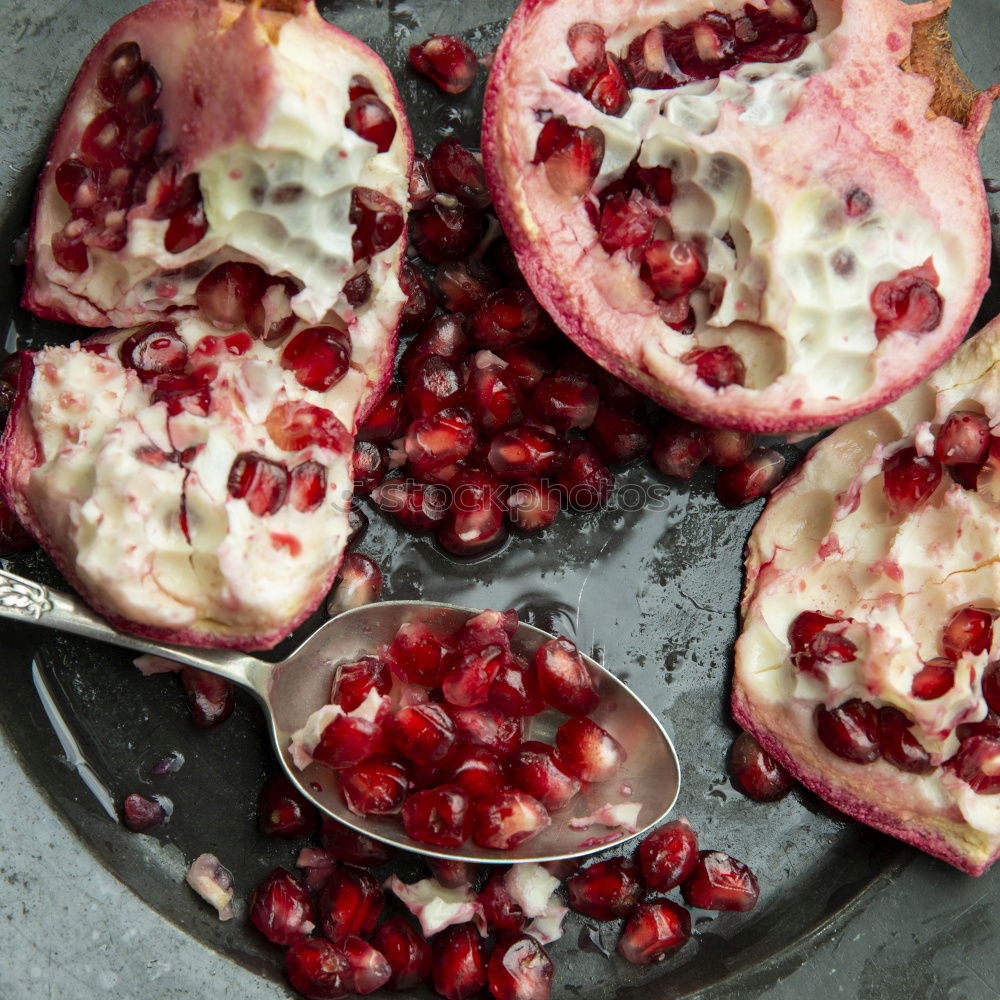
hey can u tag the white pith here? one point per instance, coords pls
(827, 542)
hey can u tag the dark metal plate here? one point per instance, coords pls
(650, 584)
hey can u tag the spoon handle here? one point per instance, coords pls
(27, 601)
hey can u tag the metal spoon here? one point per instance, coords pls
(290, 691)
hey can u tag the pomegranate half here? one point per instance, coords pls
(869, 660)
(228, 183)
(766, 215)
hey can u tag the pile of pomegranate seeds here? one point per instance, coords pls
(431, 729)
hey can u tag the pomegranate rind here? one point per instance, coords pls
(907, 157)
(827, 541)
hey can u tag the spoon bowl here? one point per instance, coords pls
(290, 691)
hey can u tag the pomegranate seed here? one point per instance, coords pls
(117, 68)
(706, 47)
(527, 367)
(968, 631)
(422, 733)
(720, 882)
(898, 745)
(815, 642)
(668, 855)
(141, 813)
(477, 516)
(988, 726)
(515, 688)
(462, 285)
(469, 682)
(717, 367)
(369, 117)
(457, 171)
(369, 466)
(653, 931)
(316, 865)
(565, 401)
(440, 439)
(434, 384)
(355, 681)
(679, 449)
(491, 394)
(618, 438)
(153, 350)
(963, 438)
(317, 969)
(532, 507)
(457, 968)
(357, 524)
(377, 220)
(189, 224)
(520, 969)
(349, 904)
(977, 763)
(486, 726)
(502, 913)
(438, 816)
(375, 787)
(571, 156)
(751, 479)
(211, 699)
(183, 394)
(421, 188)
(606, 890)
(259, 481)
(229, 292)
(283, 811)
(584, 478)
(506, 318)
(307, 486)
(909, 479)
(585, 750)
(587, 41)
(525, 451)
(934, 680)
(564, 679)
(406, 951)
(318, 357)
(369, 968)
(347, 741)
(850, 730)
(447, 61)
(991, 686)
(415, 505)
(387, 421)
(295, 425)
(476, 770)
(419, 305)
(418, 655)
(443, 336)
(282, 909)
(452, 874)
(755, 773)
(70, 254)
(488, 628)
(507, 819)
(104, 142)
(727, 448)
(908, 302)
(533, 769)
(441, 232)
(671, 268)
(647, 60)
(353, 848)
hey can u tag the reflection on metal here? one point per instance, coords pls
(26, 596)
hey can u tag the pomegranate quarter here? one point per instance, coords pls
(655, 167)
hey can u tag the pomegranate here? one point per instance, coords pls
(458, 968)
(668, 855)
(720, 882)
(653, 931)
(755, 773)
(873, 684)
(446, 60)
(141, 222)
(142, 814)
(638, 224)
(520, 969)
(282, 909)
(349, 903)
(408, 954)
(607, 890)
(283, 811)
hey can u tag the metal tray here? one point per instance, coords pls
(652, 588)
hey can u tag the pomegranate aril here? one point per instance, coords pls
(507, 819)
(606, 890)
(934, 679)
(468, 683)
(564, 679)
(415, 505)
(282, 909)
(406, 951)
(488, 628)
(354, 681)
(229, 292)
(422, 733)
(117, 68)
(991, 686)
(457, 171)
(357, 525)
(977, 763)
(525, 452)
(353, 848)
(447, 61)
(671, 268)
(317, 969)
(104, 143)
(726, 447)
(307, 487)
(584, 478)
(586, 751)
(462, 285)
(654, 930)
(187, 228)
(607, 87)
(755, 773)
(679, 449)
(850, 731)
(421, 187)
(296, 425)
(155, 349)
(477, 521)
(909, 479)
(438, 816)
(369, 117)
(418, 655)
(347, 741)
(434, 384)
(565, 401)
(908, 303)
(211, 698)
(571, 156)
(444, 337)
(526, 366)
(140, 813)
(358, 582)
(647, 60)
(369, 465)
(532, 506)
(968, 631)
(419, 305)
(318, 357)
(751, 479)
(476, 770)
(668, 855)
(183, 394)
(717, 367)
(375, 787)
(720, 882)
(442, 231)
(457, 967)
(816, 642)
(349, 904)
(506, 318)
(502, 913)
(486, 726)
(70, 253)
(368, 967)
(515, 688)
(898, 745)
(491, 394)
(259, 481)
(283, 811)
(964, 438)
(440, 439)
(520, 969)
(377, 221)
(387, 421)
(617, 437)
(587, 41)
(533, 769)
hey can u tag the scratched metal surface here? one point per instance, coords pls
(652, 591)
